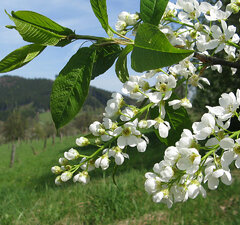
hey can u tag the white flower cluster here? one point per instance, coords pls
(203, 155)
(181, 174)
(126, 19)
(191, 34)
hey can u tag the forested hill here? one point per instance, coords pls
(17, 91)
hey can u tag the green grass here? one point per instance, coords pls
(28, 194)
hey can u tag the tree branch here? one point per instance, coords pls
(216, 61)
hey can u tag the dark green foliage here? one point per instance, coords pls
(121, 64)
(99, 8)
(70, 88)
(152, 50)
(151, 11)
(105, 57)
(16, 91)
(38, 29)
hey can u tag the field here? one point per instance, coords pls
(28, 194)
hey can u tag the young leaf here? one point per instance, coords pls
(151, 11)
(20, 57)
(121, 64)
(105, 57)
(41, 21)
(100, 10)
(152, 50)
(35, 33)
(70, 88)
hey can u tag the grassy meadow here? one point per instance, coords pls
(28, 194)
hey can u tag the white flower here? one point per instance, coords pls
(113, 105)
(204, 128)
(176, 104)
(191, 8)
(71, 154)
(82, 141)
(132, 19)
(222, 36)
(128, 135)
(123, 15)
(142, 143)
(160, 192)
(96, 128)
(162, 126)
(171, 155)
(118, 155)
(136, 86)
(232, 153)
(195, 188)
(102, 162)
(82, 177)
(212, 173)
(189, 161)
(128, 113)
(228, 106)
(164, 169)
(143, 124)
(67, 175)
(213, 13)
(195, 81)
(187, 140)
(165, 84)
(120, 25)
(88, 166)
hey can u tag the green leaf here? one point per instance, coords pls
(35, 33)
(179, 120)
(70, 88)
(105, 57)
(100, 10)
(152, 50)
(151, 11)
(20, 57)
(41, 21)
(121, 64)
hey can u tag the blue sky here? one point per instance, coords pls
(75, 14)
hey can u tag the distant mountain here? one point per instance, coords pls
(17, 91)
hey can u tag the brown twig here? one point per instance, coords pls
(216, 61)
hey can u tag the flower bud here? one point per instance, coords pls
(82, 141)
(62, 161)
(66, 176)
(58, 180)
(56, 169)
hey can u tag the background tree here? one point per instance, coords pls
(13, 130)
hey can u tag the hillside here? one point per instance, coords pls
(17, 91)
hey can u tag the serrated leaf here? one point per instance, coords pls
(152, 50)
(20, 57)
(70, 88)
(105, 57)
(35, 33)
(100, 10)
(121, 64)
(42, 21)
(151, 11)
